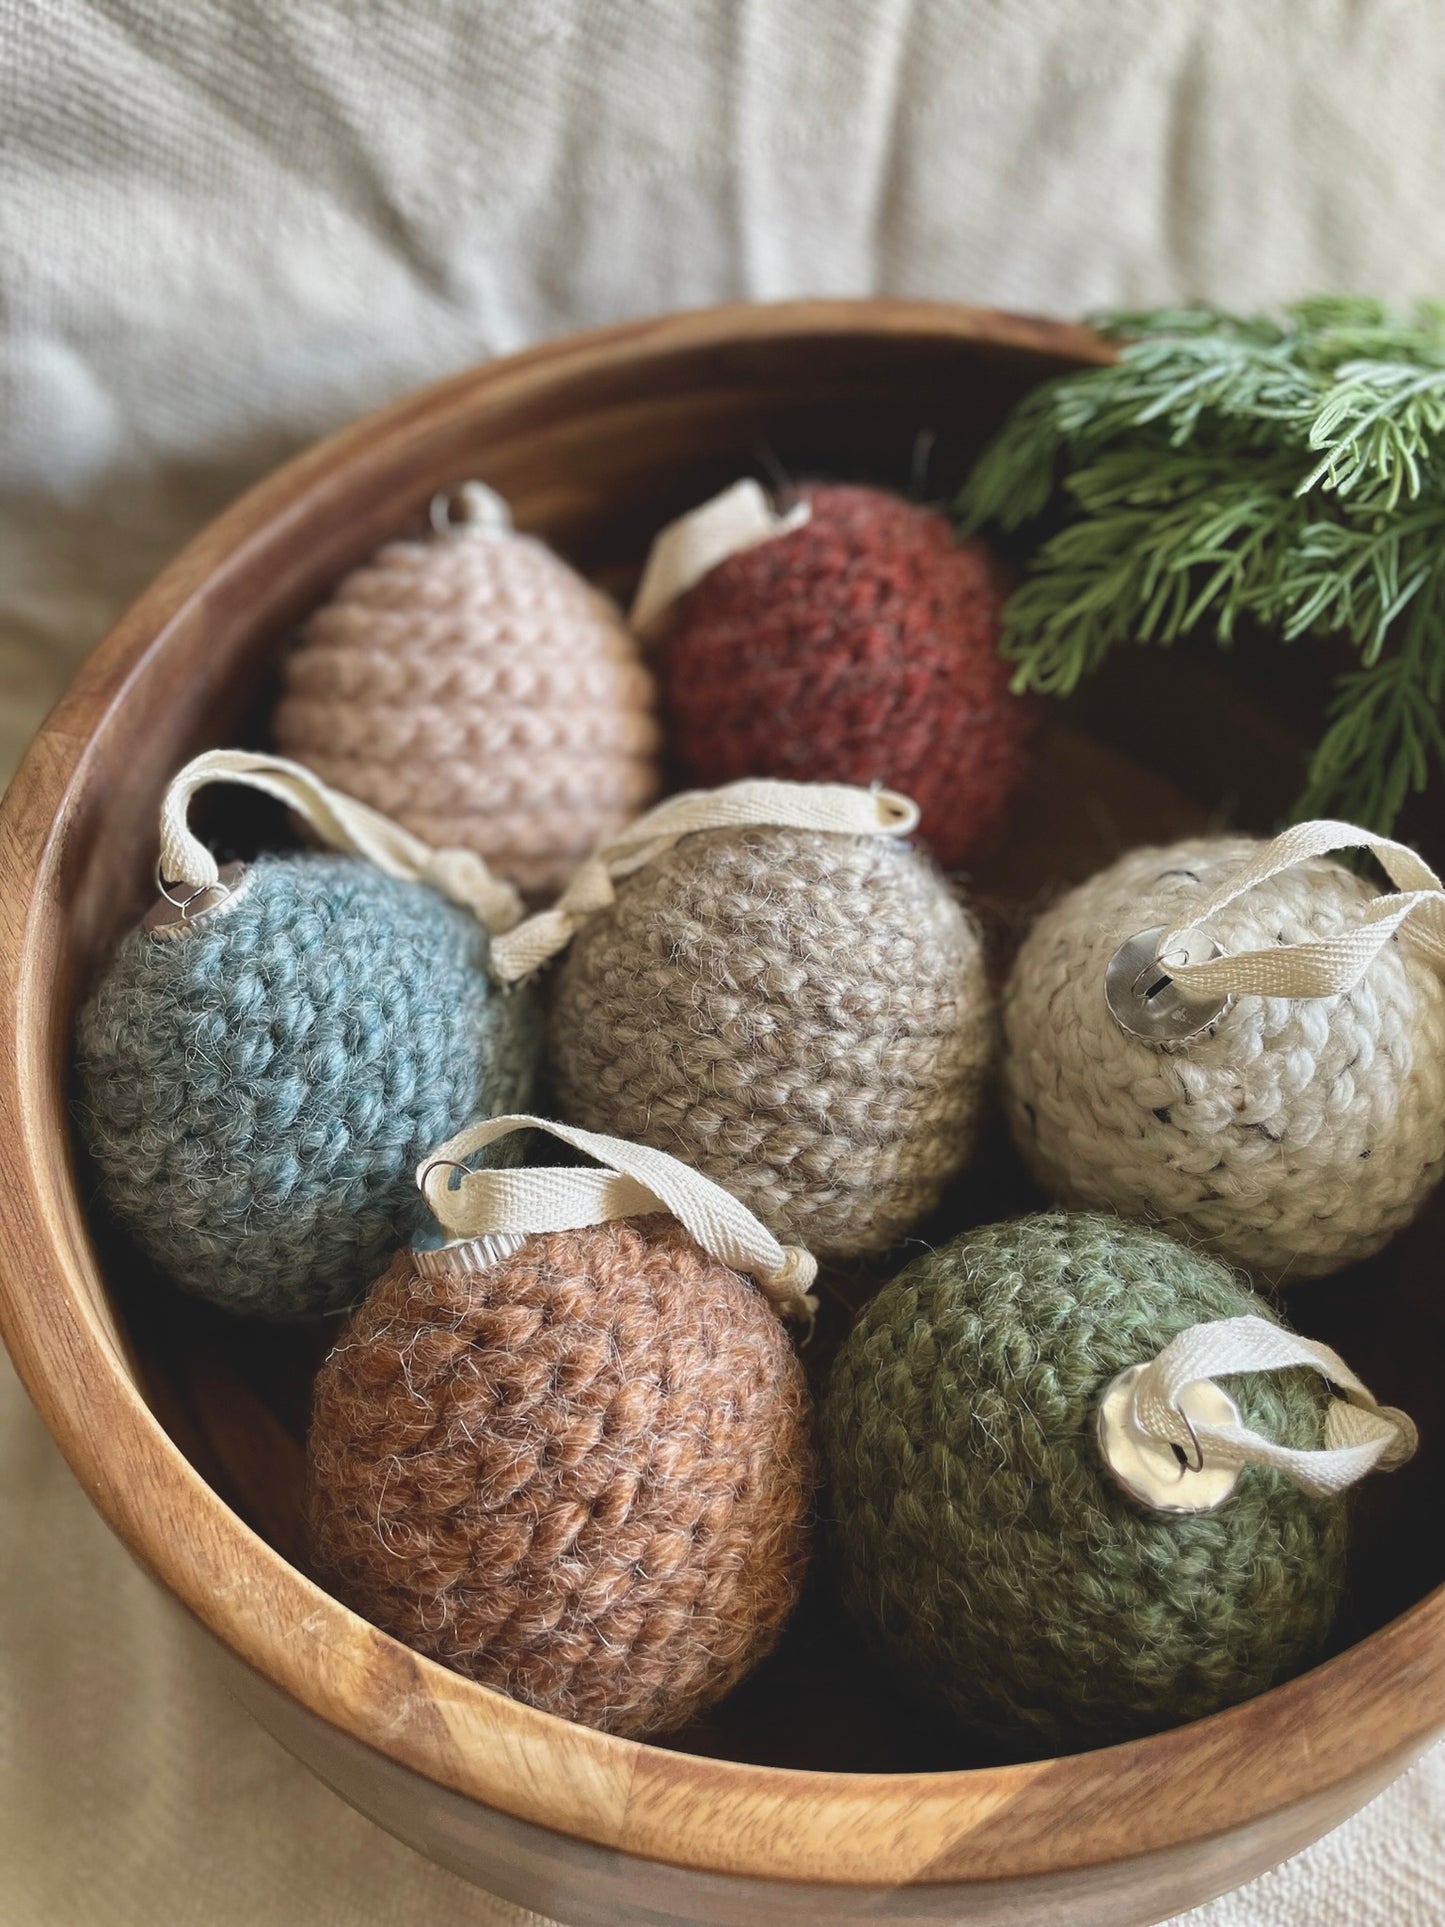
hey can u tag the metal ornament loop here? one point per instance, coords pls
(201, 902)
(469, 510)
(441, 1164)
(1144, 1000)
(1196, 1464)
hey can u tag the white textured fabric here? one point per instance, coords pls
(226, 227)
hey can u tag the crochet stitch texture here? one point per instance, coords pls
(1298, 1136)
(257, 1094)
(582, 1476)
(860, 648)
(981, 1539)
(802, 1016)
(481, 693)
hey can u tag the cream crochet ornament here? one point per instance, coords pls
(479, 692)
(767, 982)
(1264, 1071)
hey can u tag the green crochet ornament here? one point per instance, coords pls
(985, 1544)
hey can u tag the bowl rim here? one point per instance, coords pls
(1376, 1704)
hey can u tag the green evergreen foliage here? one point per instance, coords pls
(1228, 471)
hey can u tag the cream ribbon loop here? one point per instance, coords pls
(1328, 966)
(339, 820)
(755, 803)
(740, 518)
(634, 1179)
(1361, 1435)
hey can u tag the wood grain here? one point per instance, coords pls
(186, 1435)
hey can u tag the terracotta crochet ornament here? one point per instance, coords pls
(853, 639)
(1243, 1042)
(575, 1464)
(768, 981)
(269, 1054)
(477, 690)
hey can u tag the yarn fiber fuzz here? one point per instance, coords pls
(859, 648)
(582, 1476)
(802, 1016)
(981, 1539)
(478, 691)
(257, 1093)
(1297, 1136)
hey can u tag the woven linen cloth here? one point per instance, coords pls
(226, 228)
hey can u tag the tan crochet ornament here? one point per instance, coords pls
(767, 981)
(570, 1452)
(478, 691)
(1242, 1042)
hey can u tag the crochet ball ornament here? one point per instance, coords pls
(257, 1091)
(276, 1045)
(581, 1475)
(477, 690)
(1292, 1133)
(860, 647)
(802, 1014)
(986, 1545)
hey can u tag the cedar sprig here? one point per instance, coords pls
(1228, 470)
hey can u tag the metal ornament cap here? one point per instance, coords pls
(183, 916)
(461, 1255)
(1143, 998)
(1156, 1473)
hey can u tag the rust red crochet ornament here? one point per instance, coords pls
(859, 648)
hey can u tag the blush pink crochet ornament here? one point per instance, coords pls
(477, 690)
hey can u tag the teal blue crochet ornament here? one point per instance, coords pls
(275, 1048)
(1081, 1488)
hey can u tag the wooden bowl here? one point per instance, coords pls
(813, 1796)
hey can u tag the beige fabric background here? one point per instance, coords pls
(227, 225)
